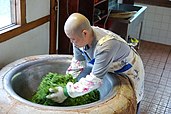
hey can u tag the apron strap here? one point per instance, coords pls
(91, 61)
(124, 68)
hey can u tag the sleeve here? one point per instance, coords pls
(78, 54)
(105, 55)
(83, 86)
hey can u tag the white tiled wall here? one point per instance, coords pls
(157, 25)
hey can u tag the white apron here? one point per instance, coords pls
(132, 66)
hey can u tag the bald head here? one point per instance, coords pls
(75, 23)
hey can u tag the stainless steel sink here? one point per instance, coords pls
(125, 7)
(124, 26)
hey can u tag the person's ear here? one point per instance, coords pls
(84, 33)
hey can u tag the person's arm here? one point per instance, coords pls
(104, 56)
(76, 67)
(78, 63)
(83, 86)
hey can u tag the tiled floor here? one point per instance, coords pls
(157, 63)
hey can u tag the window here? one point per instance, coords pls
(11, 12)
(5, 14)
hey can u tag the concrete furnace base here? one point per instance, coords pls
(120, 99)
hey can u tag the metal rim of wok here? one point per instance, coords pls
(9, 71)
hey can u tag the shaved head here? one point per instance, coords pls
(78, 29)
(75, 23)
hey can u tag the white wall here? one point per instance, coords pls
(33, 42)
(157, 25)
(36, 9)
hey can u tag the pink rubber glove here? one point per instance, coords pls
(76, 67)
(83, 86)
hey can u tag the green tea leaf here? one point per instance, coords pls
(54, 79)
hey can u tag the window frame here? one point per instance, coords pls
(18, 18)
(22, 26)
(20, 10)
(18, 13)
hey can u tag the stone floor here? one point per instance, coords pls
(157, 63)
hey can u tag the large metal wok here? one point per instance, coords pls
(20, 79)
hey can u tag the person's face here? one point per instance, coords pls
(78, 41)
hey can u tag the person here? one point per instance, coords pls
(102, 49)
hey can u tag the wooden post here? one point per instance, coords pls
(53, 26)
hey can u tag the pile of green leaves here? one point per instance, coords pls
(54, 79)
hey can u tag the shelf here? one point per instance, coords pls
(100, 2)
(102, 17)
(100, 11)
(85, 7)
